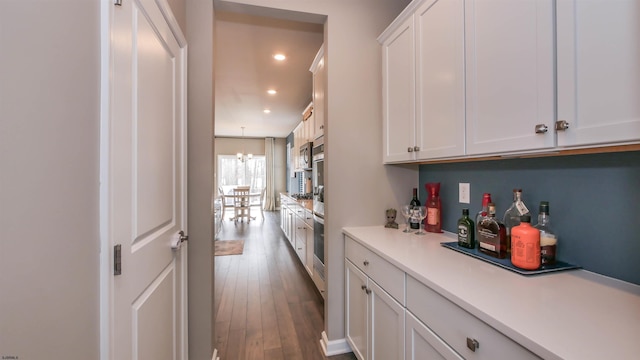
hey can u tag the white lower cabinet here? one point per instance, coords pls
(374, 318)
(470, 337)
(422, 343)
(391, 315)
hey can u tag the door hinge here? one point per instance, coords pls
(117, 2)
(117, 259)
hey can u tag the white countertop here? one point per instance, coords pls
(572, 314)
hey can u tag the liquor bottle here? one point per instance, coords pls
(433, 222)
(548, 239)
(414, 220)
(492, 239)
(525, 247)
(486, 199)
(466, 231)
(512, 216)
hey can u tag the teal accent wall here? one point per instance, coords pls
(594, 202)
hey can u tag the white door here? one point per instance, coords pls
(399, 94)
(357, 310)
(386, 325)
(422, 343)
(510, 83)
(598, 71)
(144, 189)
(440, 117)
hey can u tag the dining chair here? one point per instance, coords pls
(241, 203)
(258, 201)
(227, 202)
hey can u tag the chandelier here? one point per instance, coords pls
(241, 155)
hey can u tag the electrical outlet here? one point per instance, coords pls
(464, 193)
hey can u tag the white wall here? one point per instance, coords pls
(49, 158)
(355, 176)
(200, 28)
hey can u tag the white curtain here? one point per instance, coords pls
(269, 153)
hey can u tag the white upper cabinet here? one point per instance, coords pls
(398, 84)
(440, 75)
(319, 93)
(510, 83)
(598, 71)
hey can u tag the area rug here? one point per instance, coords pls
(228, 247)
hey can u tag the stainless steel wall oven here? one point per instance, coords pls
(318, 206)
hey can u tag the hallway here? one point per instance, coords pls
(265, 303)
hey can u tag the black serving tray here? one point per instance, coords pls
(506, 263)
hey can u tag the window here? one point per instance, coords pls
(232, 171)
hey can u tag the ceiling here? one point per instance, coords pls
(245, 69)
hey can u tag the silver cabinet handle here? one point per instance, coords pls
(364, 287)
(409, 149)
(562, 125)
(368, 291)
(473, 344)
(366, 263)
(541, 129)
(416, 148)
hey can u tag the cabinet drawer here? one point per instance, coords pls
(454, 325)
(389, 277)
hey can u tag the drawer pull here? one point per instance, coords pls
(368, 291)
(364, 287)
(473, 344)
(366, 263)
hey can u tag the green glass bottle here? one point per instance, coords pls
(466, 231)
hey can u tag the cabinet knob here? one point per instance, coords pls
(409, 149)
(368, 291)
(416, 148)
(366, 263)
(364, 287)
(562, 125)
(541, 129)
(473, 344)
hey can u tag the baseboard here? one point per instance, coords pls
(334, 347)
(215, 355)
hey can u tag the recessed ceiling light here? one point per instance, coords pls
(271, 92)
(266, 111)
(279, 57)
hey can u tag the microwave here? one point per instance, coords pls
(305, 156)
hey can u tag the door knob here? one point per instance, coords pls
(562, 125)
(178, 239)
(541, 129)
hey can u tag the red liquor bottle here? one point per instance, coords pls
(433, 222)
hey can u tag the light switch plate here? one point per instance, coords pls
(464, 190)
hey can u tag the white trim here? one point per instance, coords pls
(334, 347)
(106, 277)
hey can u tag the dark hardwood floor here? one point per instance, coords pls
(265, 303)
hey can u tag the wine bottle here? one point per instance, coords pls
(548, 239)
(486, 199)
(466, 231)
(492, 239)
(512, 216)
(414, 220)
(433, 223)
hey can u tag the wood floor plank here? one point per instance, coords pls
(266, 305)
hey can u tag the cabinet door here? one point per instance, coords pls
(319, 86)
(308, 263)
(440, 74)
(598, 71)
(422, 343)
(398, 97)
(510, 79)
(301, 239)
(386, 325)
(357, 310)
